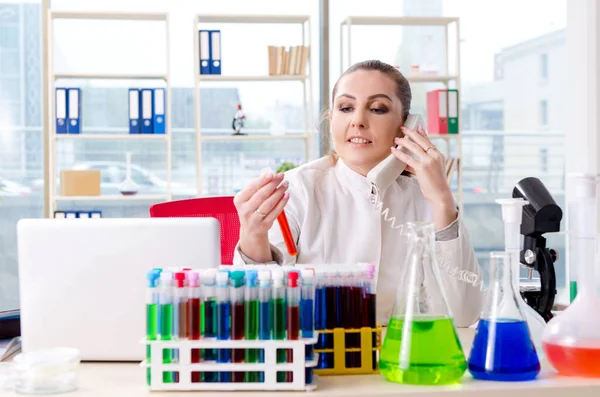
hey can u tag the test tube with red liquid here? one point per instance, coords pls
(193, 315)
(287, 234)
(237, 320)
(293, 315)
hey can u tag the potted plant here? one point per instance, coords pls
(285, 166)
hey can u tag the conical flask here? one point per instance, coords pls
(128, 187)
(503, 349)
(421, 345)
(512, 215)
(571, 339)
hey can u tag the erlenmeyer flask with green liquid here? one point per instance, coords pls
(421, 345)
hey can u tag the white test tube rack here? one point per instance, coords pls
(270, 367)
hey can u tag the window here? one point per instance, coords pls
(500, 92)
(544, 66)
(543, 113)
(9, 37)
(500, 74)
(228, 165)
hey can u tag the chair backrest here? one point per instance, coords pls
(221, 208)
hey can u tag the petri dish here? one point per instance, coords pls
(46, 371)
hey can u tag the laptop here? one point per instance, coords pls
(82, 282)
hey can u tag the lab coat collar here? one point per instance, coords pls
(351, 178)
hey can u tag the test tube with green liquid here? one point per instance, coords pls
(152, 299)
(166, 319)
(251, 322)
(279, 319)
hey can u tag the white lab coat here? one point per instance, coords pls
(334, 222)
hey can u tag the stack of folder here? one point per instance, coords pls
(288, 61)
(210, 51)
(147, 110)
(442, 111)
(77, 214)
(68, 110)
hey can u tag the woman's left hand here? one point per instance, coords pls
(428, 164)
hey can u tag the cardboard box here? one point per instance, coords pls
(80, 183)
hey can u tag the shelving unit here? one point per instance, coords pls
(52, 78)
(115, 197)
(445, 79)
(110, 137)
(306, 81)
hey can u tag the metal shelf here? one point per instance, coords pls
(445, 137)
(405, 21)
(109, 76)
(252, 137)
(218, 77)
(252, 18)
(122, 16)
(430, 79)
(110, 137)
(136, 197)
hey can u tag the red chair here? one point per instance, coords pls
(221, 208)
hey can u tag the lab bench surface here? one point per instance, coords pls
(128, 380)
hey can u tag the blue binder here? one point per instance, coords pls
(215, 52)
(71, 214)
(61, 110)
(158, 110)
(83, 215)
(134, 111)
(59, 215)
(74, 114)
(95, 214)
(146, 108)
(204, 43)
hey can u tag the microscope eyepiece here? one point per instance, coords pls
(542, 214)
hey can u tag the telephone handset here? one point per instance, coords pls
(386, 172)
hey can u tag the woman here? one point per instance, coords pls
(327, 201)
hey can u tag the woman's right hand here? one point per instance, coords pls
(258, 206)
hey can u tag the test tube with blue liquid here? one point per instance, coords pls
(223, 322)
(307, 305)
(320, 307)
(331, 289)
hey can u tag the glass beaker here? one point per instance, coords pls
(128, 187)
(503, 349)
(421, 345)
(571, 339)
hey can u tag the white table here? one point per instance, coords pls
(128, 380)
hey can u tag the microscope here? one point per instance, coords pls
(541, 215)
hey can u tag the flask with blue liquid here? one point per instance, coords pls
(503, 349)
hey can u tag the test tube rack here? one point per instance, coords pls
(368, 337)
(270, 367)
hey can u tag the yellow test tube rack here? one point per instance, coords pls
(339, 351)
